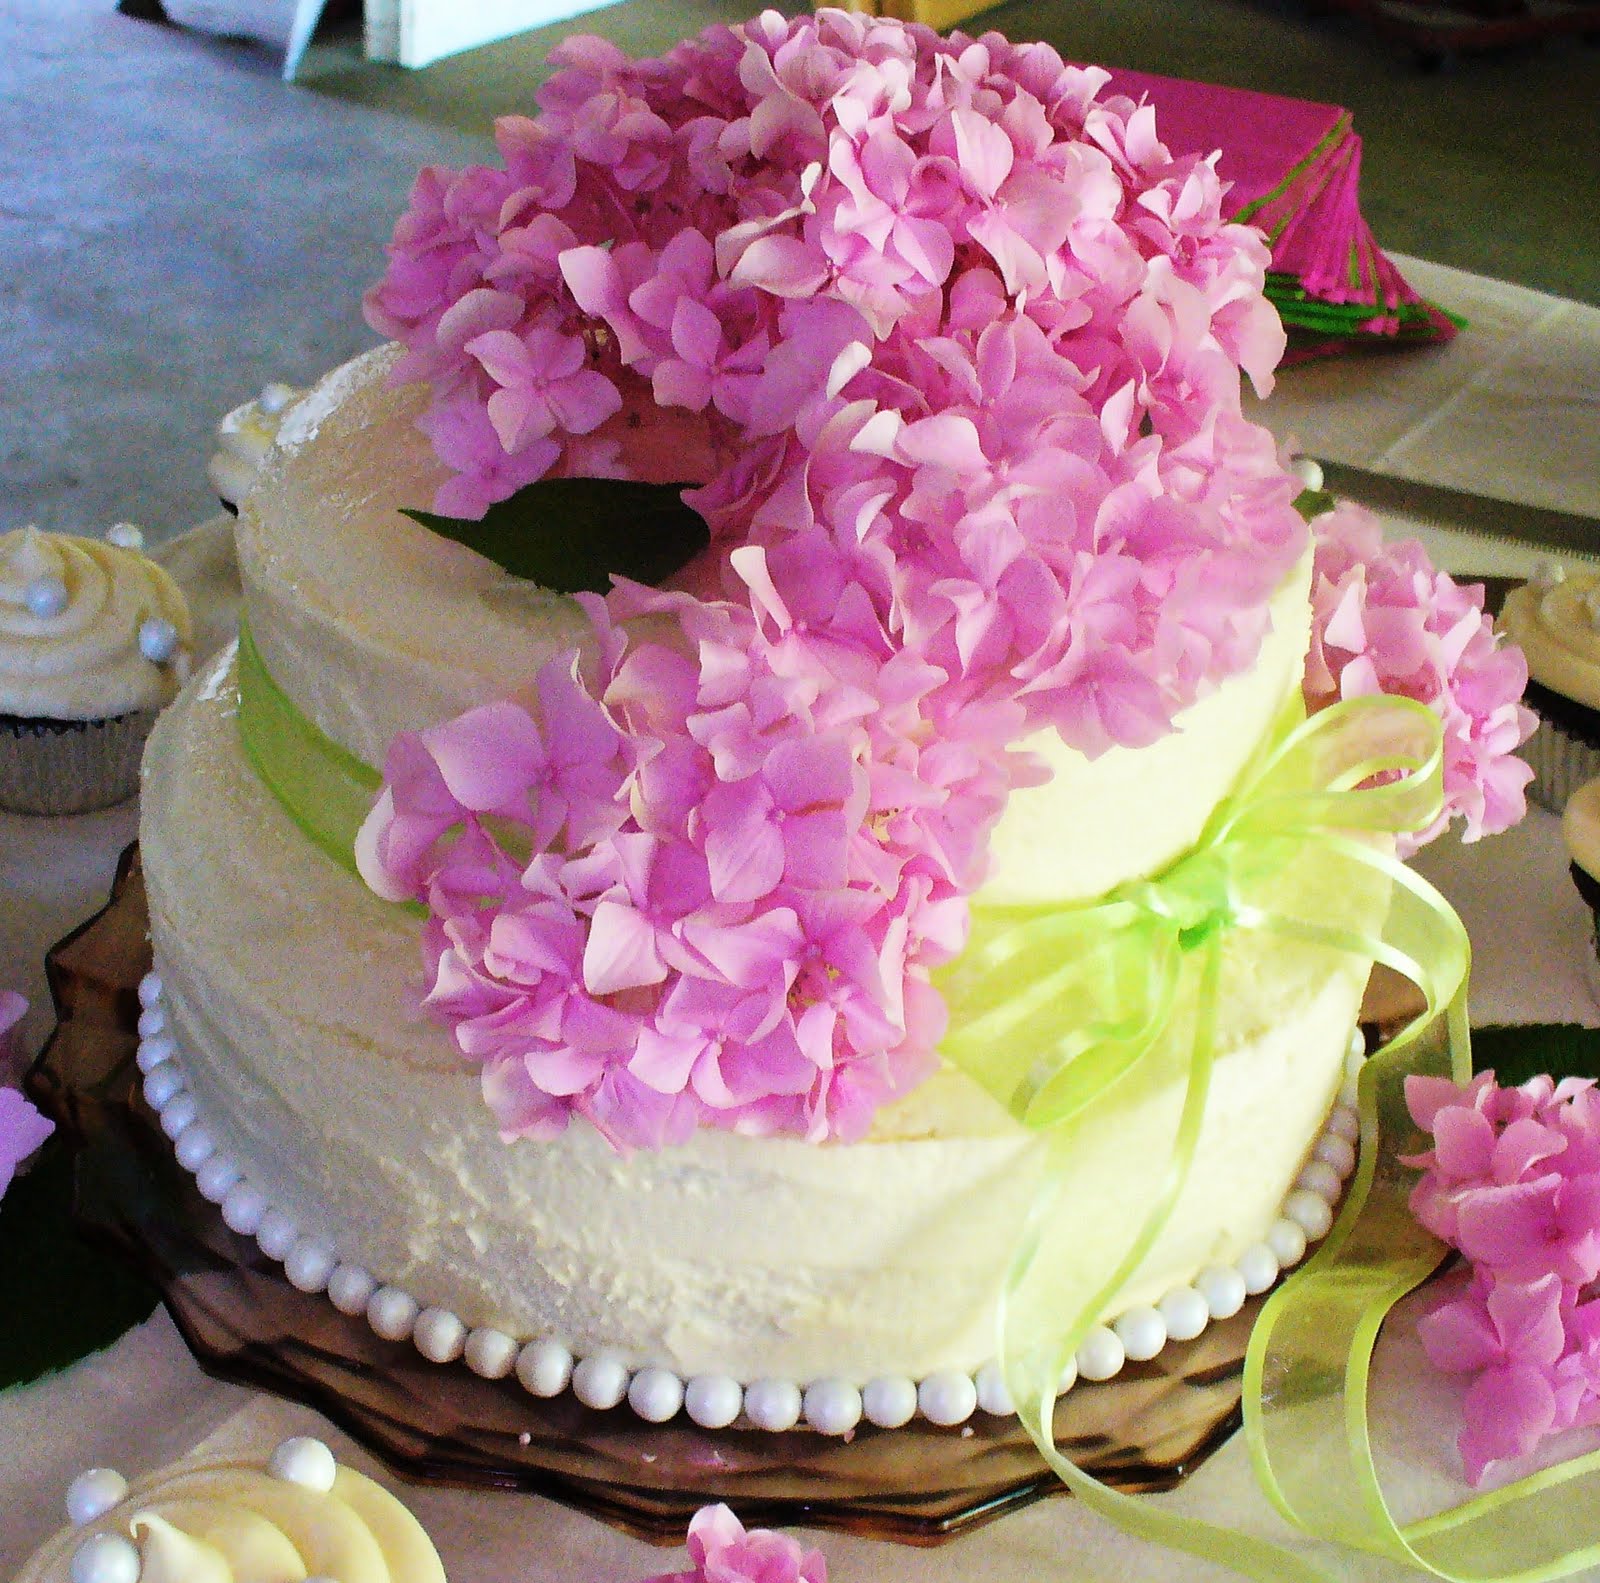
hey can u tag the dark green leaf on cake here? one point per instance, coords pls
(1311, 503)
(574, 534)
(60, 1298)
(1516, 1054)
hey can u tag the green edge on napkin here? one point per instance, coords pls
(60, 1298)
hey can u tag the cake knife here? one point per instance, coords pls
(1512, 521)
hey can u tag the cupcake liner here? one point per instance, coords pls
(70, 766)
(1565, 749)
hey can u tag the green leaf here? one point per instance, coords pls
(60, 1298)
(1515, 1054)
(573, 534)
(1312, 503)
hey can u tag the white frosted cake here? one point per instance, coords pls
(288, 991)
(627, 1076)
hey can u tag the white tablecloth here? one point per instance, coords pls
(1512, 409)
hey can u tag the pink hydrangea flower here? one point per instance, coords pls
(1513, 1182)
(22, 1128)
(951, 347)
(724, 1551)
(1386, 622)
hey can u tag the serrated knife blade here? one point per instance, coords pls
(1564, 532)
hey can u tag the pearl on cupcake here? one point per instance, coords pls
(125, 536)
(106, 1558)
(275, 397)
(45, 597)
(306, 1462)
(158, 640)
(93, 1493)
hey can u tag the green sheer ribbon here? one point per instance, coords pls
(323, 787)
(1054, 1008)
(1057, 1007)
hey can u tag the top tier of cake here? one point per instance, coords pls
(373, 625)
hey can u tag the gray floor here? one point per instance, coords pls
(178, 227)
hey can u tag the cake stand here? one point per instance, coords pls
(1144, 1430)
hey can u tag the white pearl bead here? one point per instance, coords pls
(1222, 1289)
(45, 597)
(178, 1112)
(161, 1084)
(600, 1381)
(150, 988)
(1318, 1177)
(195, 1146)
(275, 397)
(1142, 1332)
(1548, 574)
(242, 1208)
(1101, 1354)
(158, 640)
(217, 1178)
(305, 1462)
(105, 1558)
(1069, 1376)
(350, 1289)
(994, 1395)
(832, 1407)
(1355, 1055)
(1345, 1123)
(544, 1368)
(125, 536)
(93, 1493)
(889, 1401)
(152, 1020)
(1310, 1211)
(310, 1265)
(1185, 1312)
(440, 1335)
(948, 1397)
(392, 1313)
(1287, 1241)
(276, 1234)
(655, 1395)
(772, 1404)
(491, 1354)
(1258, 1265)
(1338, 1152)
(154, 1052)
(713, 1400)
(1308, 471)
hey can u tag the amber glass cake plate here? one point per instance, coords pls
(1144, 1430)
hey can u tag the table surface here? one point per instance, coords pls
(1510, 409)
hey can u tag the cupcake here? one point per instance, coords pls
(244, 437)
(1555, 621)
(236, 1522)
(94, 640)
(1580, 827)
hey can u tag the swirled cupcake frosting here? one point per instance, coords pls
(1556, 623)
(88, 630)
(303, 1516)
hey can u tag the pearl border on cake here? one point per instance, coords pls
(547, 1368)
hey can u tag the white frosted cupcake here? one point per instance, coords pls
(233, 1522)
(244, 437)
(1555, 621)
(94, 641)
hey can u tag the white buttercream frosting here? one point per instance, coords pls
(79, 654)
(236, 1523)
(243, 439)
(1553, 623)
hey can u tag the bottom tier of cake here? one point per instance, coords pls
(289, 993)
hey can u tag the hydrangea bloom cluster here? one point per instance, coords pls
(723, 1551)
(1384, 621)
(1513, 1183)
(22, 1128)
(952, 348)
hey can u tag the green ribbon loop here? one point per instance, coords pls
(1065, 1003)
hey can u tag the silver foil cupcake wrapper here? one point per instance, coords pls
(1561, 764)
(71, 766)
